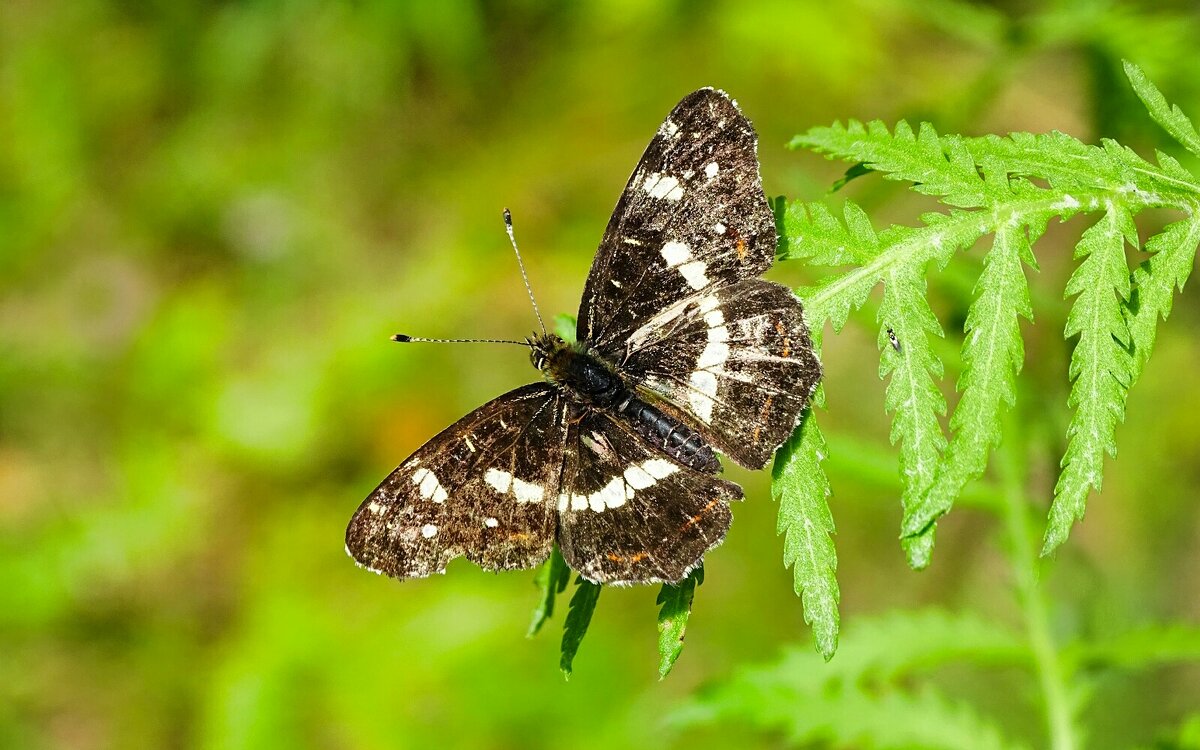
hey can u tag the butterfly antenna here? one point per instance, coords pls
(405, 339)
(508, 228)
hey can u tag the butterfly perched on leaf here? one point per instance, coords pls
(682, 352)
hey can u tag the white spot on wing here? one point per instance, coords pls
(614, 493)
(504, 483)
(693, 272)
(429, 531)
(499, 480)
(702, 393)
(429, 486)
(659, 468)
(703, 382)
(621, 489)
(719, 228)
(491, 523)
(638, 478)
(374, 507)
(711, 170)
(470, 445)
(659, 185)
(527, 492)
(714, 355)
(675, 253)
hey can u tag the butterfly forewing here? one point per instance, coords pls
(739, 361)
(484, 488)
(692, 216)
(630, 514)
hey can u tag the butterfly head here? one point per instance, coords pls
(545, 350)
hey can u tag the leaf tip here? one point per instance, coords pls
(919, 549)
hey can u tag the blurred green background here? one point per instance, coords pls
(212, 215)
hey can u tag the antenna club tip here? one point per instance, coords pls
(508, 217)
(401, 337)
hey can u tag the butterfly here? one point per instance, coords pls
(682, 352)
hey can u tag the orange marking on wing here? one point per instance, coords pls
(779, 328)
(741, 248)
(762, 417)
(787, 346)
(637, 557)
(696, 518)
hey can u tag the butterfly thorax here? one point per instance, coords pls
(586, 375)
(597, 383)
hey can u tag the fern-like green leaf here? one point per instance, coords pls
(1155, 282)
(1068, 164)
(836, 296)
(802, 491)
(1101, 367)
(1171, 118)
(862, 699)
(936, 165)
(676, 601)
(815, 233)
(912, 394)
(1082, 177)
(992, 355)
(552, 580)
(579, 616)
(1011, 186)
(810, 232)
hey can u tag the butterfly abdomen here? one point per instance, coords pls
(669, 435)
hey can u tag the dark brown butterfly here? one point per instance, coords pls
(682, 352)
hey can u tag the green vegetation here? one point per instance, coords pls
(213, 216)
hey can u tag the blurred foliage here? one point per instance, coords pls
(212, 215)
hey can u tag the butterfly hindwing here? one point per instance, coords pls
(629, 513)
(692, 216)
(483, 488)
(738, 362)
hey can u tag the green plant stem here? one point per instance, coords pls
(1025, 565)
